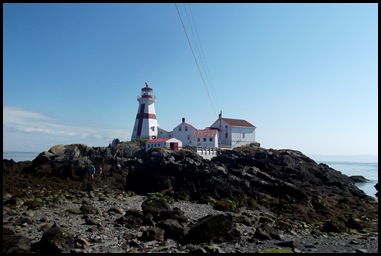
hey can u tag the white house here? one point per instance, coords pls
(207, 137)
(170, 143)
(186, 133)
(161, 133)
(234, 132)
(207, 142)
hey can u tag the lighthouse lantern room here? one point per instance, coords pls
(145, 124)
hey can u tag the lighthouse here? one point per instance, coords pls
(145, 124)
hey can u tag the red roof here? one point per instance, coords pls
(159, 140)
(207, 132)
(238, 122)
(146, 88)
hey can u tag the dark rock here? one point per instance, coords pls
(266, 232)
(212, 228)
(85, 209)
(16, 244)
(331, 226)
(132, 219)
(358, 179)
(56, 240)
(173, 229)
(155, 206)
(153, 233)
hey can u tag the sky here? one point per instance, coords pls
(306, 75)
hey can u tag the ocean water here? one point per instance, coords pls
(20, 156)
(369, 170)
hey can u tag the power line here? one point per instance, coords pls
(207, 72)
(198, 67)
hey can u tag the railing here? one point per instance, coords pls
(145, 96)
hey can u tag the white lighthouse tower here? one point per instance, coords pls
(145, 124)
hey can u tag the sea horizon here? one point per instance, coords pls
(347, 158)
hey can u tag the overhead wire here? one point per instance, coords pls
(203, 58)
(195, 59)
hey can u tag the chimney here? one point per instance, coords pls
(183, 120)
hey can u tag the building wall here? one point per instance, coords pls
(150, 145)
(163, 133)
(163, 144)
(207, 143)
(224, 129)
(236, 136)
(242, 136)
(185, 134)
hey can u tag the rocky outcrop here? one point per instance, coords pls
(286, 181)
(358, 179)
(290, 185)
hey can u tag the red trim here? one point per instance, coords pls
(140, 116)
(146, 116)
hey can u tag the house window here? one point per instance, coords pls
(186, 128)
(180, 128)
(188, 137)
(198, 139)
(204, 139)
(226, 135)
(210, 139)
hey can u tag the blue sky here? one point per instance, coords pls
(306, 75)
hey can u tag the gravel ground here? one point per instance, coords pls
(108, 238)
